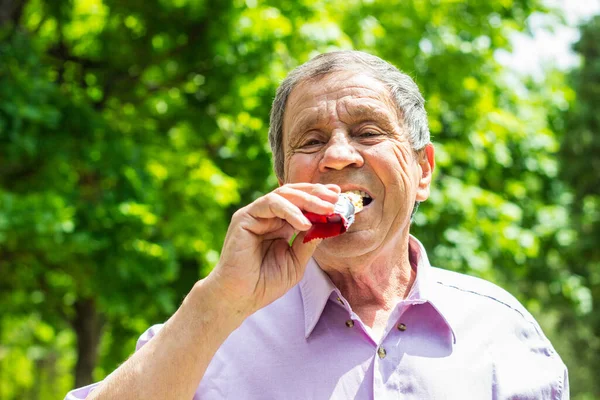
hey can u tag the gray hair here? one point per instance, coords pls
(403, 89)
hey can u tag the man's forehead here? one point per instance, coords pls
(356, 95)
(339, 82)
(349, 111)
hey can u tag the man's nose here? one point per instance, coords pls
(340, 153)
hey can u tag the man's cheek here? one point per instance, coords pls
(403, 155)
(402, 166)
(298, 168)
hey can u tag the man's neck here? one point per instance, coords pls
(376, 283)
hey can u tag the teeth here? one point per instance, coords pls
(356, 197)
(360, 193)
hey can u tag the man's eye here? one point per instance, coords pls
(313, 142)
(368, 134)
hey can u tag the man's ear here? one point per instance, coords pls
(426, 160)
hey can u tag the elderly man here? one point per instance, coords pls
(358, 316)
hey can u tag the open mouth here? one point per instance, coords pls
(364, 196)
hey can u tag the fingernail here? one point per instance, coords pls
(334, 187)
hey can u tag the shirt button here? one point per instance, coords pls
(349, 323)
(341, 301)
(401, 327)
(381, 352)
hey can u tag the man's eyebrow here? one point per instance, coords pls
(363, 112)
(355, 114)
(301, 126)
(304, 123)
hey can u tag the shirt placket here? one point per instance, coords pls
(386, 354)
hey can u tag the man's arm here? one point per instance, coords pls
(171, 365)
(257, 266)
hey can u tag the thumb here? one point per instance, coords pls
(304, 251)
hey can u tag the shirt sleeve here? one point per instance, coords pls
(82, 392)
(526, 366)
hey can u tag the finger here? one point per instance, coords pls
(334, 187)
(306, 201)
(324, 192)
(285, 231)
(302, 252)
(272, 206)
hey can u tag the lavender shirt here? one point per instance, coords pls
(453, 337)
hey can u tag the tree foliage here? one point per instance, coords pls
(130, 131)
(580, 168)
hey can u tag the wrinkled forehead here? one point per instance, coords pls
(347, 94)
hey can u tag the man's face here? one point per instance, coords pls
(344, 128)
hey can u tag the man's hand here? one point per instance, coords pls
(257, 264)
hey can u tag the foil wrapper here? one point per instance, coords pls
(334, 224)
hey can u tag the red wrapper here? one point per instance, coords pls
(326, 226)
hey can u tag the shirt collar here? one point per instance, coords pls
(316, 288)
(424, 289)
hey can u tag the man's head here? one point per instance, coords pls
(352, 119)
(403, 91)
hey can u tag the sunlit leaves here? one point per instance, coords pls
(88, 18)
(131, 131)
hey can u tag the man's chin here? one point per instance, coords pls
(349, 244)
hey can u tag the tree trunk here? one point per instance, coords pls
(88, 328)
(11, 11)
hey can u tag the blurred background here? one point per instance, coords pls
(131, 130)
